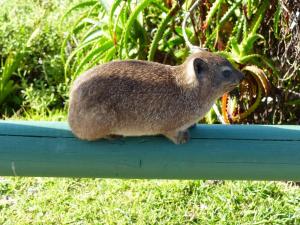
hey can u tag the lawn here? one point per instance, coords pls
(111, 201)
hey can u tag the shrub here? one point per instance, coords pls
(40, 69)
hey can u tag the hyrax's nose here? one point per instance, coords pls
(240, 75)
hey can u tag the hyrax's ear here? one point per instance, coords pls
(199, 66)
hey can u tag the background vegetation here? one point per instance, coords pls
(45, 45)
(53, 45)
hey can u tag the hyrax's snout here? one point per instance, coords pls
(240, 75)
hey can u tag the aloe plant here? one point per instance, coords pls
(120, 30)
(102, 33)
(240, 49)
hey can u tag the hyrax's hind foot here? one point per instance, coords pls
(178, 137)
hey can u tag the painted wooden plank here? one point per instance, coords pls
(266, 132)
(250, 152)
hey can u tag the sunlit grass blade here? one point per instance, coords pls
(73, 30)
(132, 18)
(110, 54)
(92, 54)
(7, 86)
(106, 4)
(78, 6)
(76, 51)
(111, 16)
(160, 30)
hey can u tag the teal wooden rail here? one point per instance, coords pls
(249, 152)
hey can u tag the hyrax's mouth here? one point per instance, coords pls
(239, 77)
(231, 87)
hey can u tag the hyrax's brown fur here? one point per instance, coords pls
(133, 98)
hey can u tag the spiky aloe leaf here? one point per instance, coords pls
(249, 8)
(92, 35)
(160, 30)
(216, 5)
(247, 44)
(256, 72)
(238, 30)
(223, 20)
(252, 57)
(224, 108)
(259, 15)
(130, 22)
(230, 57)
(78, 25)
(259, 76)
(235, 48)
(229, 12)
(245, 26)
(277, 20)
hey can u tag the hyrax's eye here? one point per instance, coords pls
(226, 73)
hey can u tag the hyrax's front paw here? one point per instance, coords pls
(178, 137)
(182, 137)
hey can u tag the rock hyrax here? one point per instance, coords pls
(134, 98)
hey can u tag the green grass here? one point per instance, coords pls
(110, 201)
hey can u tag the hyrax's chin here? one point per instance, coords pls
(231, 86)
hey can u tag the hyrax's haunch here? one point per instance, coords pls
(134, 98)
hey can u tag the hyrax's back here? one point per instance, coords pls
(125, 98)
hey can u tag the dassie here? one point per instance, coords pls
(134, 98)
